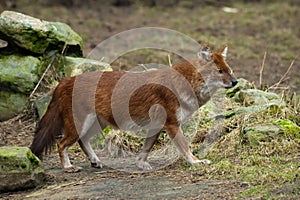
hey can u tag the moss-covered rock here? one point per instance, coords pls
(19, 169)
(243, 84)
(253, 135)
(19, 73)
(270, 108)
(11, 104)
(251, 97)
(41, 105)
(75, 66)
(37, 35)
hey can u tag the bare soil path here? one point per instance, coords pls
(111, 184)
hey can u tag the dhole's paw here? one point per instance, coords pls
(96, 164)
(143, 165)
(204, 161)
(72, 169)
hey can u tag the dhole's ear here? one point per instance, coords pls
(205, 53)
(223, 51)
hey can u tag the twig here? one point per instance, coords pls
(261, 70)
(101, 59)
(64, 49)
(169, 60)
(275, 86)
(280, 88)
(46, 70)
(143, 66)
(42, 77)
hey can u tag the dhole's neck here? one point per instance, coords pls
(191, 70)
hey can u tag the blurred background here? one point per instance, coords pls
(250, 28)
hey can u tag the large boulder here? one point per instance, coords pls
(18, 77)
(251, 97)
(254, 135)
(11, 104)
(19, 169)
(19, 73)
(38, 35)
(24, 40)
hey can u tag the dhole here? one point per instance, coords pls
(153, 100)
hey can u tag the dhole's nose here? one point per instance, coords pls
(234, 82)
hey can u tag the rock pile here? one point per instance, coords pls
(26, 43)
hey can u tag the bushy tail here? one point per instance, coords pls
(48, 128)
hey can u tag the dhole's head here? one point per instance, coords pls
(216, 72)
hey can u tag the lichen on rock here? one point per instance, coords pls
(19, 73)
(19, 168)
(38, 35)
(10, 104)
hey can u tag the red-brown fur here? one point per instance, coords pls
(101, 92)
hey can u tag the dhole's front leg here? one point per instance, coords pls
(181, 144)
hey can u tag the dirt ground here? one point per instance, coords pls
(175, 181)
(106, 183)
(96, 21)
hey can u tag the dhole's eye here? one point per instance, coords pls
(220, 71)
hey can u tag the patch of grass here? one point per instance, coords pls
(254, 190)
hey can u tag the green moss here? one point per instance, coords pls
(255, 135)
(14, 160)
(11, 104)
(106, 130)
(288, 128)
(8, 152)
(63, 32)
(23, 165)
(32, 158)
(39, 36)
(19, 73)
(230, 113)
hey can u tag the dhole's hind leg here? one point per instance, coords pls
(88, 130)
(63, 145)
(182, 145)
(142, 157)
(89, 152)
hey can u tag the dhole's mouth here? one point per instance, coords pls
(233, 83)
